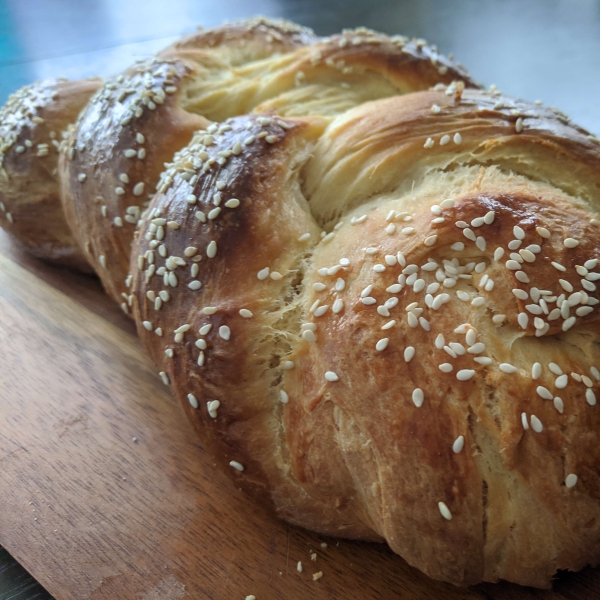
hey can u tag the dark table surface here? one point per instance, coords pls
(537, 49)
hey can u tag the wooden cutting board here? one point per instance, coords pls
(106, 492)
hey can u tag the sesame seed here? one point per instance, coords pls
(513, 265)
(321, 310)
(568, 323)
(465, 374)
(331, 376)
(446, 368)
(211, 249)
(431, 240)
(543, 232)
(469, 234)
(543, 392)
(428, 143)
(367, 300)
(527, 255)
(519, 125)
(536, 370)
(570, 243)
(571, 480)
(559, 405)
(507, 368)
(409, 353)
(338, 306)
(192, 400)
(435, 109)
(418, 397)
(309, 336)
(208, 310)
(536, 424)
(445, 139)
(523, 320)
(477, 348)
(561, 381)
(520, 294)
(590, 397)
(236, 465)
(458, 444)
(458, 247)
(212, 406)
(514, 244)
(555, 368)
(483, 360)
(445, 511)
(518, 232)
(382, 344)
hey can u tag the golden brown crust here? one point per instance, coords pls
(475, 458)
(113, 157)
(31, 124)
(259, 64)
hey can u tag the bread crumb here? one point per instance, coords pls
(251, 597)
(317, 575)
(299, 566)
(313, 557)
(323, 544)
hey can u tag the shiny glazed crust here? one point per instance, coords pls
(385, 324)
(108, 175)
(31, 124)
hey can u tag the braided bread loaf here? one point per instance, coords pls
(378, 310)
(389, 328)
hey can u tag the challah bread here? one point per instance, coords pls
(31, 124)
(387, 327)
(113, 159)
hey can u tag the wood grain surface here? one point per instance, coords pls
(106, 493)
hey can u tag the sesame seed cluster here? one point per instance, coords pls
(115, 153)
(442, 321)
(31, 125)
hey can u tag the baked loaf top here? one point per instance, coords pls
(31, 124)
(387, 326)
(114, 156)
